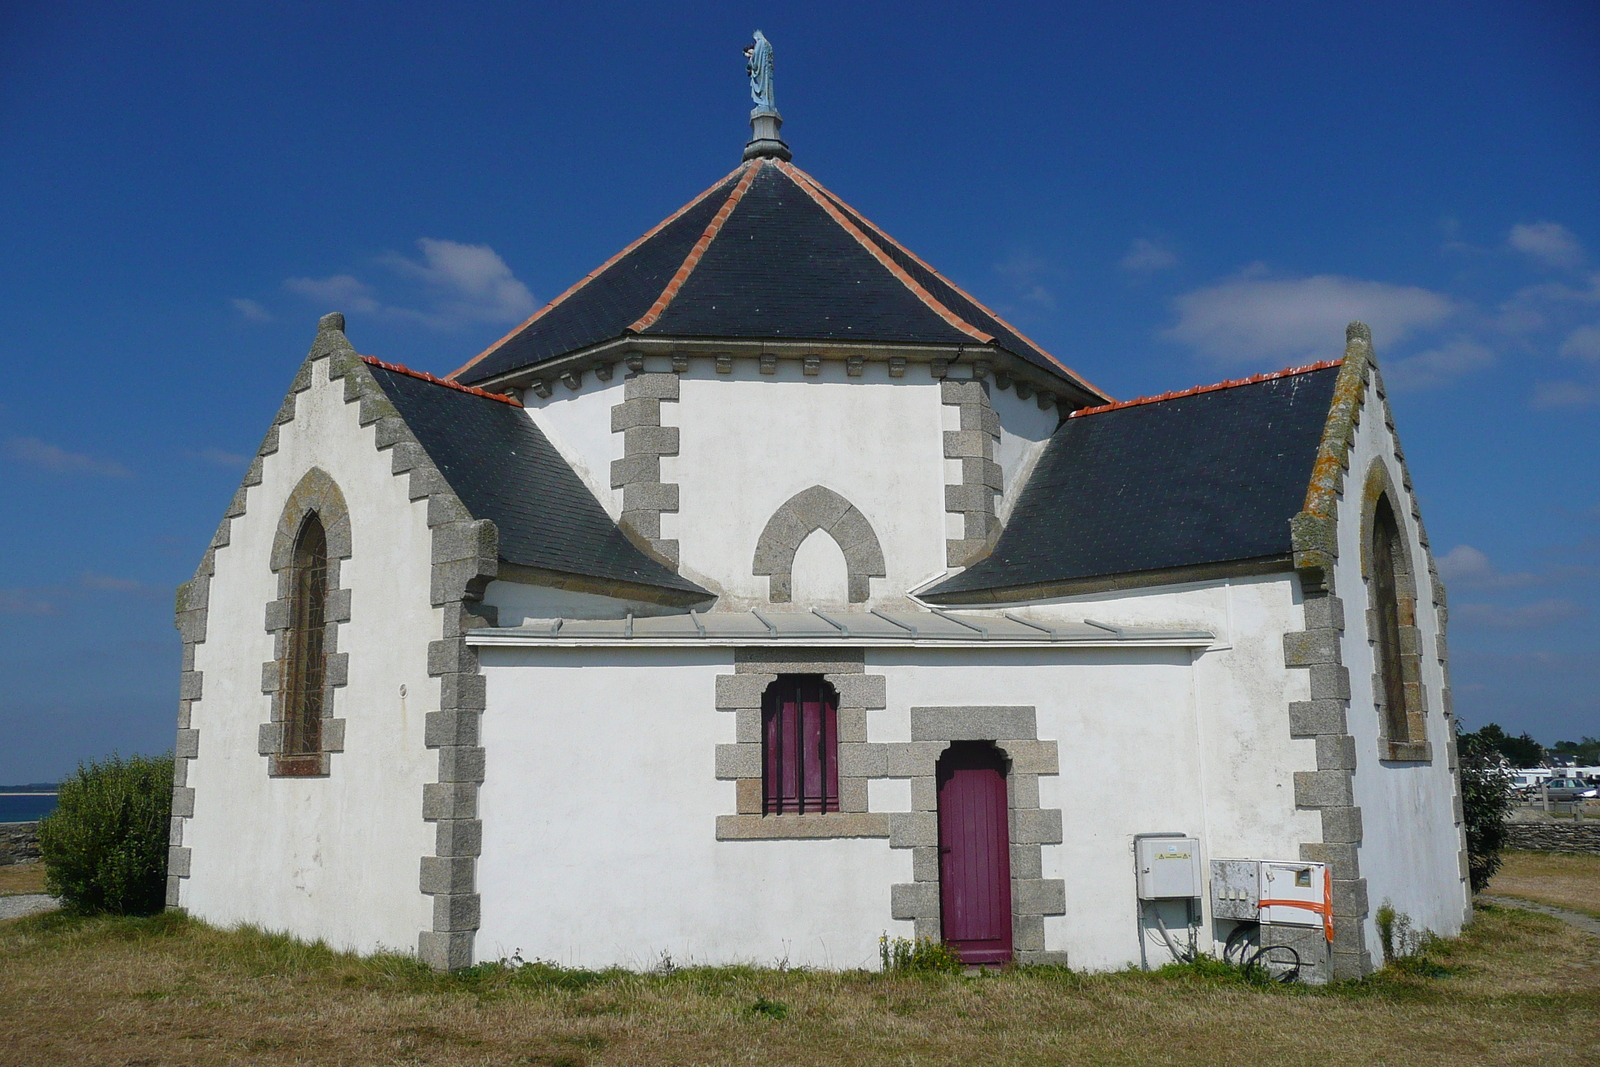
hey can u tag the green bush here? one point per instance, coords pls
(105, 845)
(1486, 800)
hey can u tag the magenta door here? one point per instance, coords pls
(975, 852)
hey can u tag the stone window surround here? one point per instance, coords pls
(818, 508)
(316, 493)
(1323, 718)
(973, 445)
(1414, 747)
(1013, 730)
(465, 558)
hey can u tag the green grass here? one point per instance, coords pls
(1517, 987)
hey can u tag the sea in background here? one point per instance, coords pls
(24, 807)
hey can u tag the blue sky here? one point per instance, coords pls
(1161, 194)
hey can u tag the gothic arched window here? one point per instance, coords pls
(1386, 560)
(305, 661)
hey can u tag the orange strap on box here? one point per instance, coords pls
(1324, 909)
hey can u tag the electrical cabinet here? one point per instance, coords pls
(1168, 867)
(1272, 892)
(1295, 894)
(1235, 889)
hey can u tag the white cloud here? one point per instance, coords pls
(1533, 616)
(1583, 343)
(1251, 318)
(1467, 566)
(468, 283)
(25, 602)
(250, 310)
(1145, 256)
(460, 284)
(1548, 242)
(107, 583)
(1027, 273)
(1438, 366)
(1548, 395)
(42, 454)
(220, 458)
(343, 291)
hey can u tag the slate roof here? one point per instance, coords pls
(1211, 475)
(766, 253)
(504, 469)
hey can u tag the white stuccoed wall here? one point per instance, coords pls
(600, 802)
(748, 442)
(335, 858)
(599, 812)
(1024, 431)
(578, 424)
(1410, 846)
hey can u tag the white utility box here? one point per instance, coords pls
(1274, 892)
(1295, 894)
(1168, 867)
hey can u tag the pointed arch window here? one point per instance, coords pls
(306, 660)
(1386, 552)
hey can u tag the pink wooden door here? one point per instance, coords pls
(975, 852)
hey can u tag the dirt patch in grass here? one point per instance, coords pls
(1566, 880)
(16, 878)
(1516, 988)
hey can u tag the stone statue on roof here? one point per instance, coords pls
(758, 61)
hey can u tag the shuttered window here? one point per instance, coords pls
(800, 745)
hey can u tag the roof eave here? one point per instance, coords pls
(617, 589)
(1008, 368)
(1033, 592)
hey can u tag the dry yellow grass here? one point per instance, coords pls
(21, 878)
(1520, 988)
(1566, 880)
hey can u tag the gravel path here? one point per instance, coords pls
(26, 904)
(1571, 918)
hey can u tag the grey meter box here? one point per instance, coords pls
(1169, 867)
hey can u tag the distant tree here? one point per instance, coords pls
(105, 845)
(1585, 752)
(1520, 751)
(1485, 803)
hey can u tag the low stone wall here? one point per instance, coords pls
(1554, 836)
(19, 842)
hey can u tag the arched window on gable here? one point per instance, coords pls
(1386, 559)
(800, 745)
(306, 662)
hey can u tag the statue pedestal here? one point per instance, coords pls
(764, 139)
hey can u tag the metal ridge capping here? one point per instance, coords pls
(401, 368)
(1231, 383)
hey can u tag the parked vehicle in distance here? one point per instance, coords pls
(1565, 789)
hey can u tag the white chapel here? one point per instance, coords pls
(765, 593)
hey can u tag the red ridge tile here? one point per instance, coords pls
(826, 204)
(401, 368)
(692, 260)
(592, 275)
(1231, 383)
